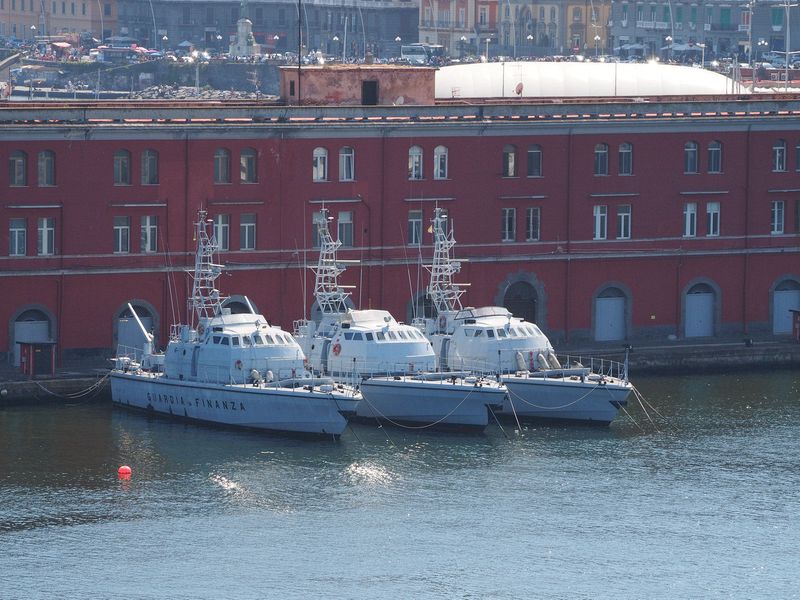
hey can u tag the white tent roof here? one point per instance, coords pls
(575, 79)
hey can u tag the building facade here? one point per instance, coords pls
(658, 220)
(28, 19)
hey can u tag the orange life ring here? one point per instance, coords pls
(337, 348)
(239, 365)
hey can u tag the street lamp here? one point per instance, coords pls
(336, 41)
(702, 55)
(33, 32)
(668, 40)
(463, 40)
(762, 45)
(596, 45)
(164, 41)
(196, 56)
(487, 48)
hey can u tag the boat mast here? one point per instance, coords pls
(443, 292)
(205, 301)
(331, 297)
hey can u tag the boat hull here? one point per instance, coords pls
(257, 407)
(564, 399)
(440, 404)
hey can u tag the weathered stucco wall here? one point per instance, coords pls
(342, 84)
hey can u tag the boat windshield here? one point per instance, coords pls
(483, 311)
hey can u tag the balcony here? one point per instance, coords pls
(744, 28)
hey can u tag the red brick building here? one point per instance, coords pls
(601, 221)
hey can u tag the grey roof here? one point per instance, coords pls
(575, 79)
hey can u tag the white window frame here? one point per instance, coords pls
(150, 167)
(508, 225)
(690, 219)
(347, 164)
(509, 161)
(415, 163)
(18, 169)
(535, 161)
(626, 158)
(777, 217)
(148, 240)
(691, 164)
(247, 231)
(222, 232)
(414, 227)
(715, 157)
(46, 168)
(779, 157)
(440, 162)
(601, 159)
(344, 228)
(600, 213)
(122, 167)
(248, 166)
(533, 223)
(713, 219)
(222, 166)
(18, 237)
(320, 165)
(624, 217)
(46, 236)
(122, 235)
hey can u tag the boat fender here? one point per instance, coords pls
(542, 361)
(239, 365)
(520, 361)
(553, 360)
(270, 375)
(337, 348)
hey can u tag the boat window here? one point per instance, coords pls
(469, 332)
(490, 333)
(478, 332)
(258, 340)
(357, 337)
(369, 336)
(217, 339)
(512, 332)
(348, 335)
(391, 335)
(381, 336)
(225, 341)
(537, 331)
(246, 341)
(501, 333)
(402, 335)
(234, 341)
(270, 339)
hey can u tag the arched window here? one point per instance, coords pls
(347, 158)
(122, 167)
(690, 157)
(222, 165)
(779, 156)
(535, 165)
(320, 165)
(248, 166)
(626, 158)
(46, 167)
(18, 169)
(415, 162)
(601, 159)
(440, 162)
(149, 167)
(509, 161)
(715, 157)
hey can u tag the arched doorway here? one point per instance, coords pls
(699, 311)
(31, 325)
(522, 301)
(609, 315)
(785, 298)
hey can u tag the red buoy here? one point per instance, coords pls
(124, 472)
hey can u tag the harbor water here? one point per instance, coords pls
(701, 503)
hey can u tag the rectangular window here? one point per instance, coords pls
(415, 227)
(690, 219)
(440, 163)
(509, 225)
(600, 222)
(17, 169)
(149, 234)
(46, 236)
(347, 164)
(345, 230)
(247, 232)
(624, 222)
(415, 164)
(712, 217)
(779, 157)
(222, 231)
(532, 216)
(122, 235)
(626, 159)
(47, 168)
(149, 167)
(715, 157)
(534, 161)
(510, 162)
(601, 159)
(320, 166)
(776, 217)
(122, 168)
(17, 237)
